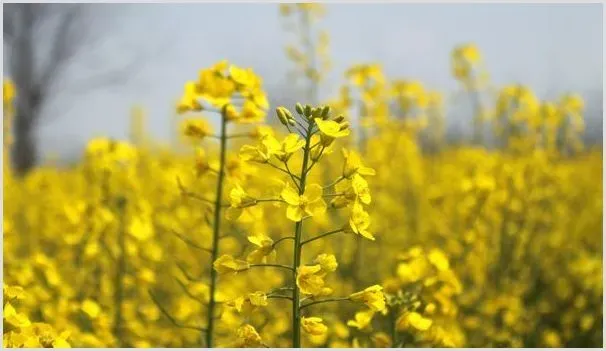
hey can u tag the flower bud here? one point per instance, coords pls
(316, 112)
(344, 126)
(339, 118)
(307, 111)
(281, 115)
(299, 108)
(325, 111)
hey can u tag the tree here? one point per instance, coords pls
(42, 42)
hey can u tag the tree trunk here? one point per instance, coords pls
(24, 147)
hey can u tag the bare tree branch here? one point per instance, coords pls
(42, 42)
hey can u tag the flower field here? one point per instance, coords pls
(341, 222)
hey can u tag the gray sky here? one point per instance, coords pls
(551, 48)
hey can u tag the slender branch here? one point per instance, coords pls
(188, 293)
(337, 181)
(301, 124)
(284, 171)
(282, 239)
(334, 195)
(279, 289)
(233, 136)
(314, 145)
(269, 200)
(191, 194)
(313, 162)
(272, 265)
(187, 275)
(190, 242)
(171, 318)
(292, 175)
(336, 299)
(321, 236)
(279, 297)
(300, 131)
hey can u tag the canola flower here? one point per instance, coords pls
(470, 247)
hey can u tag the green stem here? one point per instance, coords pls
(321, 236)
(119, 278)
(271, 265)
(282, 239)
(336, 299)
(296, 311)
(216, 232)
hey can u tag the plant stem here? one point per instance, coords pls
(321, 236)
(296, 311)
(336, 299)
(120, 271)
(216, 232)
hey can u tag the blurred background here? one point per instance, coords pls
(84, 67)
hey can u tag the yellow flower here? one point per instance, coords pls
(248, 337)
(291, 144)
(361, 189)
(359, 222)
(353, 165)
(327, 262)
(228, 264)
(189, 100)
(196, 129)
(239, 198)
(91, 308)
(262, 131)
(247, 304)
(372, 297)
(13, 292)
(438, 259)
(141, 228)
(16, 319)
(362, 320)
(310, 203)
(331, 130)
(250, 113)
(241, 76)
(268, 147)
(264, 248)
(313, 326)
(414, 320)
(381, 340)
(8, 91)
(201, 162)
(310, 279)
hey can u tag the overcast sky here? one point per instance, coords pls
(551, 48)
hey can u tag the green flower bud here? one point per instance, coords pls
(282, 116)
(325, 111)
(299, 108)
(316, 112)
(339, 118)
(307, 111)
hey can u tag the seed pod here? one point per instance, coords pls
(299, 108)
(344, 126)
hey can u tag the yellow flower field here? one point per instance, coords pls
(348, 222)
